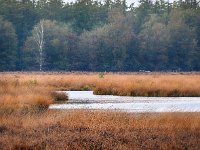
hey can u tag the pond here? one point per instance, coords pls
(87, 100)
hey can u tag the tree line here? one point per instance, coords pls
(90, 35)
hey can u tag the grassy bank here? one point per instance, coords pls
(23, 94)
(100, 130)
(130, 84)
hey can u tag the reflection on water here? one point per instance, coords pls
(87, 100)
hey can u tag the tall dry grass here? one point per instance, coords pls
(19, 97)
(165, 85)
(131, 84)
(100, 130)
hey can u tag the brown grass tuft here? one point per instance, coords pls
(59, 96)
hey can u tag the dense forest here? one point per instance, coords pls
(90, 35)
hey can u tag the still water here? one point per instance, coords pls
(87, 100)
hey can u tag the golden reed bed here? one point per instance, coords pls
(89, 130)
(132, 84)
(26, 123)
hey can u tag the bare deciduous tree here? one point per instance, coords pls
(38, 35)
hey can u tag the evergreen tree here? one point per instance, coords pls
(8, 44)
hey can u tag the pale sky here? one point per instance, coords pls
(128, 1)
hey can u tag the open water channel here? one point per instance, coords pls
(87, 100)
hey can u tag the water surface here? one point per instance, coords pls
(87, 100)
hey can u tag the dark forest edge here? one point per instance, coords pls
(99, 36)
